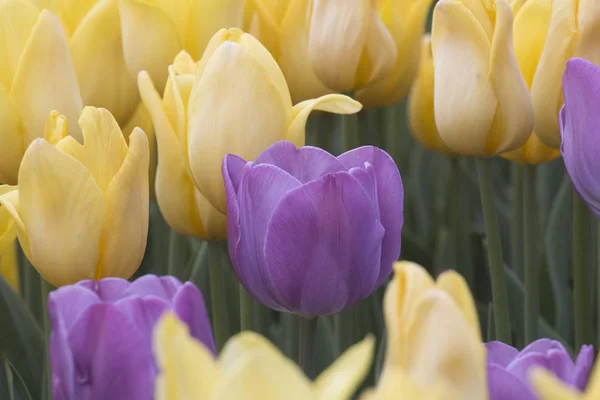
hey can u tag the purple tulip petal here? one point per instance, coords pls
(189, 306)
(305, 164)
(500, 353)
(543, 346)
(580, 123)
(505, 386)
(232, 169)
(66, 304)
(111, 360)
(558, 362)
(107, 289)
(583, 367)
(61, 363)
(164, 287)
(391, 200)
(323, 245)
(261, 189)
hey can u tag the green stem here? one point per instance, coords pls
(494, 252)
(531, 263)
(44, 291)
(307, 354)
(580, 272)
(516, 234)
(173, 256)
(391, 132)
(217, 294)
(246, 310)
(454, 214)
(349, 131)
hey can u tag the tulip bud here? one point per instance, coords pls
(101, 340)
(405, 20)
(81, 211)
(572, 32)
(8, 250)
(36, 77)
(310, 233)
(349, 46)
(420, 105)
(482, 106)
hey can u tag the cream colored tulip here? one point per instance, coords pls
(405, 20)
(184, 208)
(81, 210)
(249, 367)
(9, 267)
(482, 105)
(349, 46)
(433, 336)
(36, 76)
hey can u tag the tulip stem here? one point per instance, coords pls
(217, 294)
(307, 354)
(530, 250)
(494, 252)
(44, 291)
(516, 234)
(246, 310)
(580, 272)
(349, 130)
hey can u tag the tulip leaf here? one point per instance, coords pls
(21, 339)
(12, 386)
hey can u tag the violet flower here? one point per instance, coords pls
(101, 340)
(508, 369)
(310, 233)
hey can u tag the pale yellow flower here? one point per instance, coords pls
(549, 387)
(9, 267)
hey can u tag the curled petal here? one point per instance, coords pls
(503, 385)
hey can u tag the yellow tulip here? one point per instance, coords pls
(398, 385)
(405, 20)
(548, 387)
(238, 103)
(572, 31)
(349, 45)
(433, 335)
(482, 105)
(249, 367)
(81, 210)
(8, 252)
(36, 76)
(420, 105)
(184, 208)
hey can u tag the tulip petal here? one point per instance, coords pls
(457, 288)
(548, 387)
(11, 139)
(261, 116)
(189, 306)
(150, 39)
(559, 362)
(500, 353)
(503, 385)
(67, 304)
(164, 287)
(110, 355)
(108, 289)
(97, 51)
(61, 361)
(464, 100)
(9, 199)
(318, 260)
(580, 127)
(143, 313)
(305, 163)
(342, 378)
(261, 188)
(390, 194)
(588, 25)
(583, 367)
(233, 167)
(333, 103)
(125, 233)
(49, 204)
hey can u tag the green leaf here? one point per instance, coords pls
(12, 386)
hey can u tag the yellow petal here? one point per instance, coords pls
(548, 387)
(465, 102)
(8, 257)
(395, 381)
(150, 39)
(17, 18)
(342, 378)
(263, 22)
(72, 12)
(588, 22)
(338, 32)
(11, 139)
(457, 288)
(187, 370)
(56, 127)
(546, 90)
(533, 152)
(333, 103)
(45, 79)
(514, 103)
(98, 52)
(223, 121)
(63, 224)
(9, 199)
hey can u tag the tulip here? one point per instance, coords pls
(530, 28)
(310, 233)
(508, 370)
(36, 76)
(405, 20)
(349, 46)
(550, 387)
(154, 32)
(237, 103)
(81, 211)
(420, 105)
(8, 251)
(249, 367)
(482, 105)
(184, 208)
(572, 31)
(101, 340)
(579, 129)
(433, 335)
(398, 385)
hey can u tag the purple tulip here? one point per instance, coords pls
(101, 340)
(508, 369)
(310, 233)
(579, 122)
